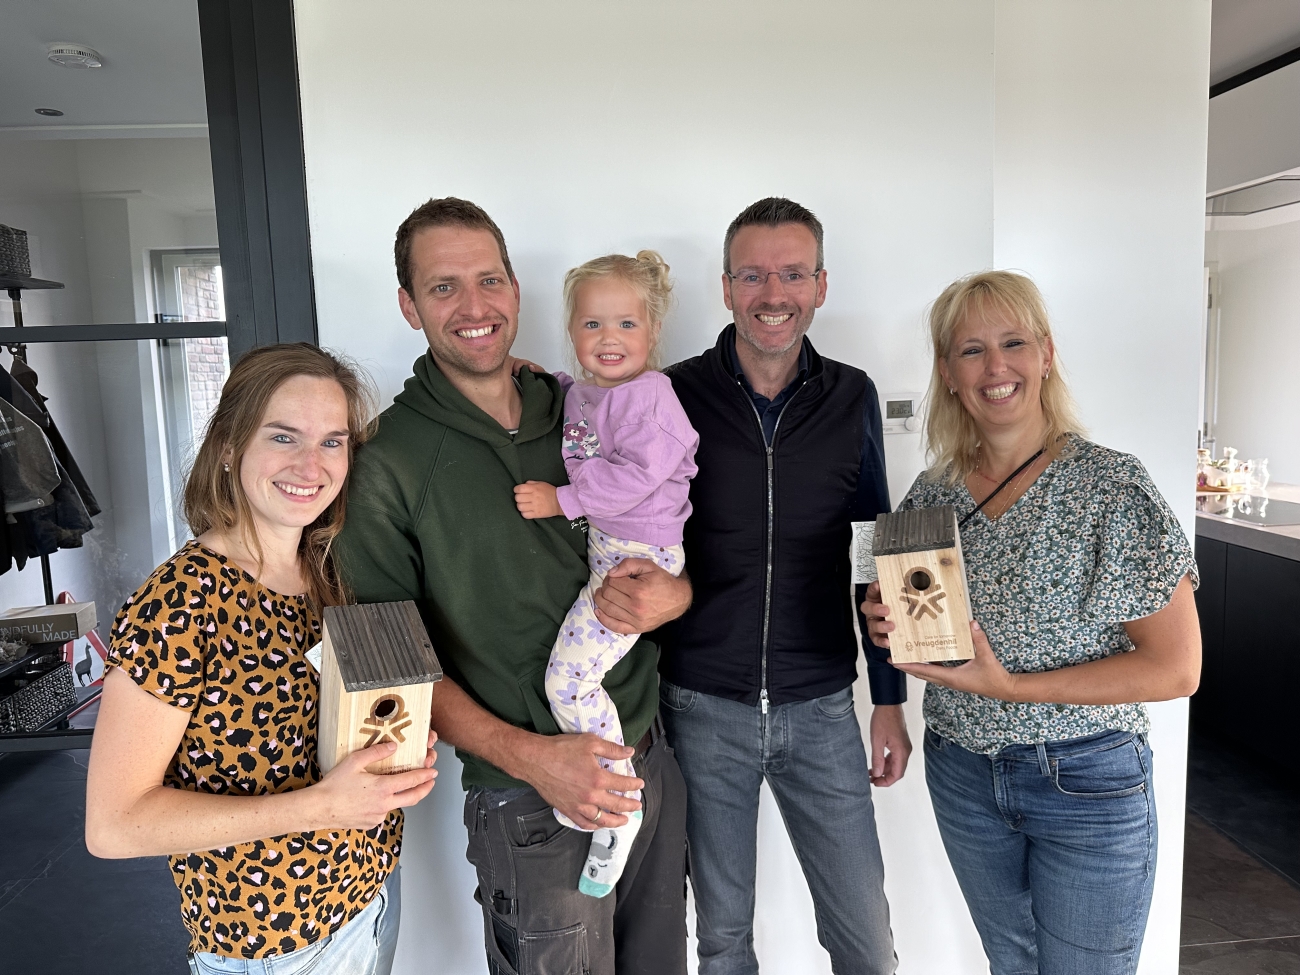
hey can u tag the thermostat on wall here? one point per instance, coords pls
(901, 413)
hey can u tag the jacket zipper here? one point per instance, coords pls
(771, 524)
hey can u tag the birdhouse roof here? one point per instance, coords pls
(917, 530)
(380, 645)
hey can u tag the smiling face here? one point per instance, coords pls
(771, 315)
(463, 300)
(612, 335)
(997, 366)
(297, 461)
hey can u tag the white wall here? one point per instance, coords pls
(933, 139)
(1100, 163)
(1259, 343)
(1253, 130)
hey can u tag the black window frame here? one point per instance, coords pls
(250, 72)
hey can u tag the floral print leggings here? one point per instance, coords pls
(584, 650)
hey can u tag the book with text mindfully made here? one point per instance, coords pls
(57, 623)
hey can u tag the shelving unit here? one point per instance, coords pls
(56, 733)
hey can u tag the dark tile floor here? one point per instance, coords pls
(1239, 917)
(1241, 869)
(1257, 805)
(62, 911)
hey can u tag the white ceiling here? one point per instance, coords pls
(1248, 32)
(152, 73)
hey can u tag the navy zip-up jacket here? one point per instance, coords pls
(767, 544)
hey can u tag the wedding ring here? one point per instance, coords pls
(596, 818)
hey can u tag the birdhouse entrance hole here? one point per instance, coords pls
(920, 580)
(385, 707)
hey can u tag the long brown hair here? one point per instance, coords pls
(951, 436)
(214, 496)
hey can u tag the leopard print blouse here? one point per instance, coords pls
(203, 635)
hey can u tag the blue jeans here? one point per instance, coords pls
(812, 757)
(363, 946)
(1054, 846)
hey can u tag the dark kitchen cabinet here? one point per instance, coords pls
(1248, 604)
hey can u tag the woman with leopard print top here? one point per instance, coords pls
(205, 747)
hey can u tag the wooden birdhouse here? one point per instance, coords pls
(377, 674)
(923, 582)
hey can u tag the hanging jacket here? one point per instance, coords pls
(28, 469)
(18, 386)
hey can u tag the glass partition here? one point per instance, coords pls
(108, 198)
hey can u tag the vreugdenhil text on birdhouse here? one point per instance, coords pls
(923, 582)
(377, 674)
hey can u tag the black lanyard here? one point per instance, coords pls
(1010, 477)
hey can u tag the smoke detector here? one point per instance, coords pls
(67, 55)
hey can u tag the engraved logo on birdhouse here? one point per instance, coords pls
(387, 720)
(923, 594)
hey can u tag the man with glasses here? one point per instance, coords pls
(758, 675)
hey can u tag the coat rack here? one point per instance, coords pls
(15, 286)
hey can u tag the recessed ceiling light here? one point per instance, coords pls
(52, 112)
(68, 55)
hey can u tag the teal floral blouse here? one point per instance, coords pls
(1089, 546)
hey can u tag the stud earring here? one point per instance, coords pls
(952, 390)
(226, 468)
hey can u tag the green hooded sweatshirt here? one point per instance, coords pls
(432, 517)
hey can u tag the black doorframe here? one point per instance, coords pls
(250, 71)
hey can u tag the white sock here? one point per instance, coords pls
(608, 856)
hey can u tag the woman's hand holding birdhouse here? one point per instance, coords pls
(983, 674)
(354, 798)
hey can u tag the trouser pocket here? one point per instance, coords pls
(1112, 772)
(501, 943)
(562, 952)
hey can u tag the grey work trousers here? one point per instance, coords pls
(535, 920)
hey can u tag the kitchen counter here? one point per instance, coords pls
(1279, 540)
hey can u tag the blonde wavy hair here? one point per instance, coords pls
(647, 273)
(214, 497)
(952, 439)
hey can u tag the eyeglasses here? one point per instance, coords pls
(791, 278)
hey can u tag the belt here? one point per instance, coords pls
(651, 737)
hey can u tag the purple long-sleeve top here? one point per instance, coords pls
(629, 451)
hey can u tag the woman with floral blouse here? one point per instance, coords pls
(1081, 580)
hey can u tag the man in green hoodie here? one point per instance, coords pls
(432, 517)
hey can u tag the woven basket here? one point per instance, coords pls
(44, 696)
(14, 259)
